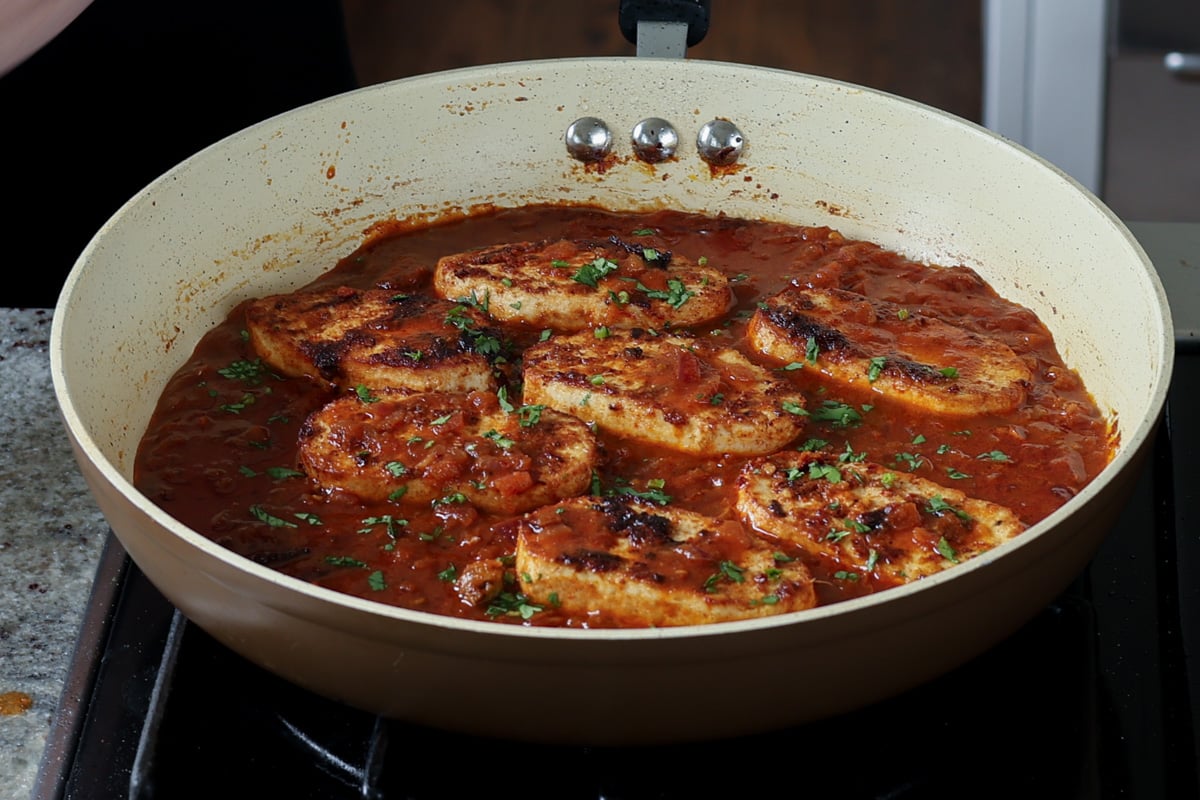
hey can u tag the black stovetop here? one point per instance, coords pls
(1098, 696)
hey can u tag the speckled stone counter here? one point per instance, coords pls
(51, 537)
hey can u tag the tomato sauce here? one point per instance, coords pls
(220, 453)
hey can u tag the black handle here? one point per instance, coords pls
(694, 12)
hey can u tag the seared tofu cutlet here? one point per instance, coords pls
(868, 520)
(430, 447)
(682, 392)
(905, 356)
(650, 565)
(374, 338)
(572, 285)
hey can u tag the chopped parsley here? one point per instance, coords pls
(502, 441)
(653, 491)
(811, 350)
(848, 456)
(938, 505)
(875, 368)
(793, 408)
(946, 550)
(675, 296)
(262, 515)
(726, 570)
(829, 472)
(481, 341)
(872, 559)
(512, 604)
(591, 273)
(839, 414)
(528, 416)
(251, 372)
(391, 524)
(344, 561)
(238, 407)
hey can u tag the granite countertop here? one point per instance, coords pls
(51, 539)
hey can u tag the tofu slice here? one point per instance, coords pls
(907, 357)
(572, 285)
(653, 565)
(866, 519)
(374, 338)
(677, 391)
(443, 447)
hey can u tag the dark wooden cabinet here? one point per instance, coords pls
(926, 50)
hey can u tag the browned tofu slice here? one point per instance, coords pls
(571, 285)
(907, 357)
(651, 565)
(442, 447)
(866, 519)
(374, 338)
(682, 392)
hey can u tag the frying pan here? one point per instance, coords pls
(271, 207)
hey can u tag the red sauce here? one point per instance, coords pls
(220, 453)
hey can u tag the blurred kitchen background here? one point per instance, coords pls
(1083, 83)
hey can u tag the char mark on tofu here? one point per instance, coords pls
(653, 257)
(592, 560)
(641, 527)
(802, 327)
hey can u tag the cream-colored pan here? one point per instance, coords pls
(269, 208)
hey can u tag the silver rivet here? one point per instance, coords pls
(720, 142)
(654, 140)
(588, 139)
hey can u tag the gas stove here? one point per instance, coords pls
(1097, 696)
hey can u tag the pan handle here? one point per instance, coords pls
(657, 26)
